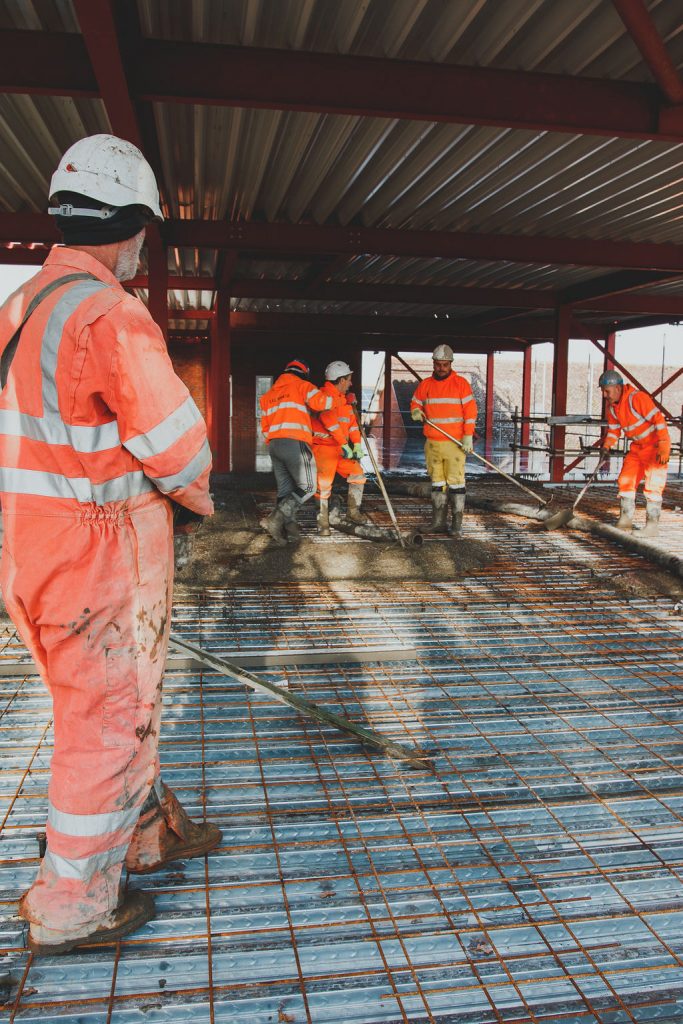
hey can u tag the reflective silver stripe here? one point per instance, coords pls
(288, 426)
(55, 485)
(661, 426)
(317, 433)
(333, 426)
(52, 338)
(165, 434)
(417, 401)
(642, 434)
(446, 419)
(50, 428)
(82, 439)
(287, 405)
(470, 421)
(329, 402)
(83, 868)
(344, 419)
(121, 487)
(449, 401)
(189, 474)
(91, 824)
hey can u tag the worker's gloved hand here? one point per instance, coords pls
(467, 442)
(662, 457)
(417, 415)
(358, 451)
(183, 544)
(351, 398)
(603, 455)
(347, 451)
(185, 521)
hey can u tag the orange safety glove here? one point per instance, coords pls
(662, 457)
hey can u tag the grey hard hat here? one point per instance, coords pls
(609, 378)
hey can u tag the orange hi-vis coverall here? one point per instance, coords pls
(645, 427)
(95, 430)
(450, 404)
(331, 430)
(285, 408)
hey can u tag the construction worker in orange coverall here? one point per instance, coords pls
(634, 412)
(446, 398)
(286, 426)
(100, 442)
(337, 447)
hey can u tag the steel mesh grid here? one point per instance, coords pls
(536, 876)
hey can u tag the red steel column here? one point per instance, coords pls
(157, 279)
(525, 433)
(560, 375)
(610, 350)
(386, 412)
(218, 405)
(489, 405)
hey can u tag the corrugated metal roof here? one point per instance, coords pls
(231, 163)
(584, 37)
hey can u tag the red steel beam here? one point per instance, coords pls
(311, 239)
(662, 387)
(643, 31)
(526, 404)
(560, 388)
(531, 329)
(490, 399)
(56, 63)
(96, 20)
(386, 412)
(613, 361)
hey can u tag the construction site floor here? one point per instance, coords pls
(536, 874)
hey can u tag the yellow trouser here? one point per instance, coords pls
(445, 463)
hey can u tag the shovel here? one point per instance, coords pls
(562, 517)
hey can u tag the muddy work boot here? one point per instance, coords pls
(652, 514)
(628, 510)
(277, 522)
(135, 909)
(439, 510)
(164, 833)
(456, 500)
(353, 504)
(324, 518)
(292, 531)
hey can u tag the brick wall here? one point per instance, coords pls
(191, 363)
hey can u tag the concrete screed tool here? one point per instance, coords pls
(380, 481)
(564, 515)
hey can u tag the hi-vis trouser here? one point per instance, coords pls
(445, 464)
(91, 597)
(640, 463)
(329, 461)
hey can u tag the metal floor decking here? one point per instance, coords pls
(536, 876)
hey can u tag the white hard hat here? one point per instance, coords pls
(337, 369)
(443, 352)
(109, 170)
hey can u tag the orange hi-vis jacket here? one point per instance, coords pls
(91, 411)
(641, 421)
(286, 406)
(338, 426)
(449, 402)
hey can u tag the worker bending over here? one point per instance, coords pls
(286, 426)
(337, 447)
(643, 424)
(446, 399)
(100, 442)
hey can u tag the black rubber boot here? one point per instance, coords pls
(456, 500)
(439, 510)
